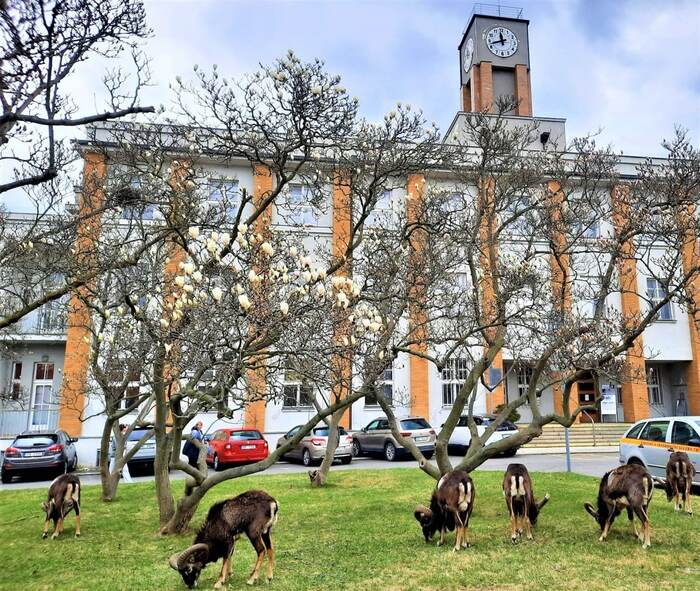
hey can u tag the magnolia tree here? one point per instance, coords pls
(529, 253)
(241, 297)
(43, 44)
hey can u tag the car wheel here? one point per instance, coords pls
(636, 461)
(356, 448)
(217, 464)
(389, 451)
(74, 465)
(510, 453)
(346, 460)
(6, 478)
(64, 468)
(306, 458)
(428, 455)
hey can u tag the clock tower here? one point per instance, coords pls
(494, 60)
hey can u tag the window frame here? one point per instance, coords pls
(383, 382)
(655, 293)
(303, 212)
(222, 186)
(297, 384)
(453, 376)
(658, 400)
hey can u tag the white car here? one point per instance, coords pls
(650, 442)
(461, 436)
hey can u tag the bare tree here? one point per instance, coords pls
(528, 275)
(43, 44)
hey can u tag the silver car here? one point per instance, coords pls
(376, 438)
(312, 448)
(650, 442)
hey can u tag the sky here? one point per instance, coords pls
(629, 69)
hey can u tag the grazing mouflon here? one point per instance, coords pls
(252, 513)
(630, 487)
(451, 507)
(64, 497)
(520, 500)
(679, 480)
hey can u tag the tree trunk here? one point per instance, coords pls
(319, 477)
(185, 510)
(108, 480)
(161, 465)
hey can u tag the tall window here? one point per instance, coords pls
(589, 229)
(51, 318)
(656, 394)
(656, 293)
(16, 382)
(382, 212)
(524, 374)
(224, 194)
(42, 398)
(383, 387)
(454, 374)
(296, 393)
(517, 213)
(301, 209)
(590, 288)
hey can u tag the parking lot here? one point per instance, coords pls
(591, 464)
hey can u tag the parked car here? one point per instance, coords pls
(650, 442)
(312, 448)
(376, 438)
(143, 460)
(236, 445)
(41, 451)
(461, 436)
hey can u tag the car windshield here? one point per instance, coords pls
(245, 435)
(35, 440)
(323, 431)
(414, 424)
(136, 434)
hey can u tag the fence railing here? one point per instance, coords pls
(14, 421)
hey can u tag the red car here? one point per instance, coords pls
(236, 445)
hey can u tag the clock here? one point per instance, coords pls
(468, 55)
(501, 41)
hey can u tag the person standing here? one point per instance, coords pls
(191, 450)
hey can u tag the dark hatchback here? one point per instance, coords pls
(44, 451)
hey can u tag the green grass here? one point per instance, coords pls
(357, 534)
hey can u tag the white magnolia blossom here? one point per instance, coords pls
(164, 323)
(188, 268)
(284, 308)
(180, 281)
(244, 301)
(266, 247)
(194, 232)
(197, 276)
(217, 293)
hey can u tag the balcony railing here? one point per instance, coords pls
(13, 421)
(44, 321)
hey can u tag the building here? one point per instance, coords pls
(48, 353)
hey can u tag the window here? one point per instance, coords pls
(42, 394)
(454, 375)
(16, 382)
(225, 194)
(296, 393)
(372, 426)
(300, 206)
(682, 433)
(634, 432)
(383, 387)
(590, 288)
(245, 435)
(656, 394)
(517, 213)
(655, 431)
(453, 203)
(414, 424)
(381, 212)
(524, 374)
(656, 293)
(589, 229)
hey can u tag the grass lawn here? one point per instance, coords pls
(357, 534)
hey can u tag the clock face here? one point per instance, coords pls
(468, 55)
(501, 41)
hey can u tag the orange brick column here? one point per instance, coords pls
(417, 315)
(691, 263)
(475, 88)
(255, 409)
(486, 87)
(341, 363)
(78, 334)
(635, 398)
(560, 280)
(466, 98)
(488, 296)
(523, 93)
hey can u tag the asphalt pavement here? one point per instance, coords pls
(591, 464)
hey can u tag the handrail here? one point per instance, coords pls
(590, 419)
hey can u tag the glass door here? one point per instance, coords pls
(42, 396)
